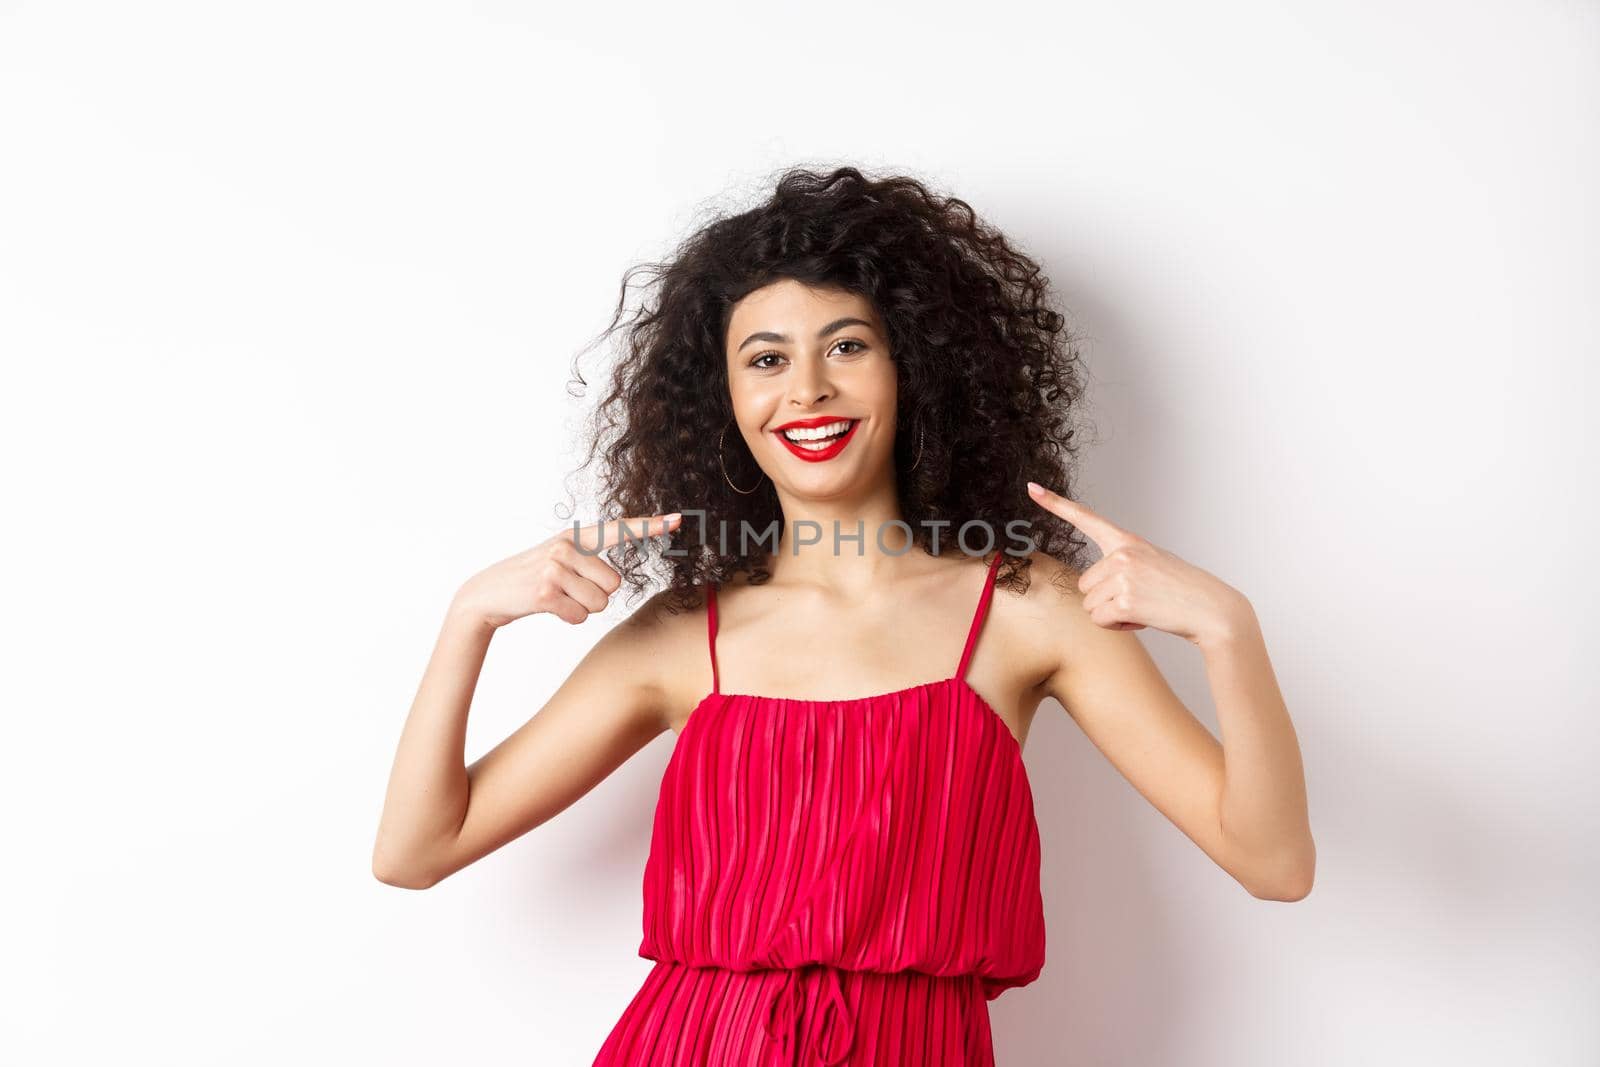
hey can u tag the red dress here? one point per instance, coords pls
(836, 881)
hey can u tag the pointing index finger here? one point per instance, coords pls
(1106, 534)
(599, 535)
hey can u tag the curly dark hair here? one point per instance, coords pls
(987, 374)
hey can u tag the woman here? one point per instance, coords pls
(837, 877)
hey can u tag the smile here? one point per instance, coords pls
(822, 441)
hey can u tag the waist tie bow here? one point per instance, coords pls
(786, 1008)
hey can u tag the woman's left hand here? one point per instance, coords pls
(1136, 584)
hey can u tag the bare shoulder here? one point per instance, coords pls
(662, 646)
(1042, 623)
(1087, 667)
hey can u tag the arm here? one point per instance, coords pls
(440, 815)
(1263, 811)
(1242, 801)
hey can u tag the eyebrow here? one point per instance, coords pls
(780, 338)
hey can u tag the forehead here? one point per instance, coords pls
(787, 303)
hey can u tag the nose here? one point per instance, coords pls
(808, 383)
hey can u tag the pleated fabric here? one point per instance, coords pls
(836, 881)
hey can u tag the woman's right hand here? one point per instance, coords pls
(556, 576)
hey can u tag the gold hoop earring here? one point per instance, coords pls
(919, 451)
(720, 439)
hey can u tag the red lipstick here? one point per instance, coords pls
(817, 455)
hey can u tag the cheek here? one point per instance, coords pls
(883, 391)
(752, 401)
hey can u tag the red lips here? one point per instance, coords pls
(821, 454)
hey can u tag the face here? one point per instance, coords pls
(814, 363)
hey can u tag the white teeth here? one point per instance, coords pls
(818, 433)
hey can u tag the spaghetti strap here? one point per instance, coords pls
(977, 617)
(711, 632)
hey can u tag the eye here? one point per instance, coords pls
(773, 354)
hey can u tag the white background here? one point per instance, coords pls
(289, 296)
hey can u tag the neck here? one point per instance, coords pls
(843, 540)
